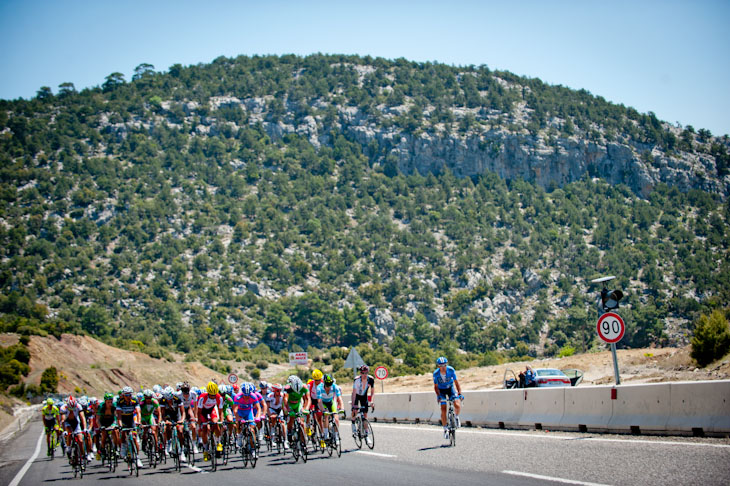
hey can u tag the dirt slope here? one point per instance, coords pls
(95, 367)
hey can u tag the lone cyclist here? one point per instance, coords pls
(446, 385)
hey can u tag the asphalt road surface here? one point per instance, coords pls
(418, 455)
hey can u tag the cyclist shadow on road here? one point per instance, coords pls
(442, 446)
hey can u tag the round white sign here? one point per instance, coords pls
(611, 327)
(232, 378)
(381, 372)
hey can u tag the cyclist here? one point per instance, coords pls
(446, 385)
(360, 397)
(259, 396)
(190, 404)
(128, 415)
(227, 394)
(94, 426)
(173, 413)
(89, 416)
(209, 404)
(329, 397)
(150, 414)
(244, 405)
(106, 417)
(274, 401)
(52, 422)
(296, 398)
(74, 423)
(315, 411)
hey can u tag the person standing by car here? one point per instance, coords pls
(446, 385)
(527, 378)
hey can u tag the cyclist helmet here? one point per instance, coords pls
(178, 385)
(93, 401)
(328, 380)
(108, 396)
(295, 383)
(212, 388)
(84, 402)
(127, 391)
(263, 385)
(167, 394)
(84, 398)
(148, 393)
(49, 402)
(157, 389)
(364, 368)
(316, 375)
(185, 387)
(248, 389)
(236, 389)
(442, 361)
(276, 387)
(71, 400)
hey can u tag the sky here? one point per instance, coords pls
(669, 56)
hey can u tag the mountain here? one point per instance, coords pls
(334, 200)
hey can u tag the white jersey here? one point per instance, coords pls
(274, 403)
(191, 400)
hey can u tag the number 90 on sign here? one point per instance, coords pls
(611, 327)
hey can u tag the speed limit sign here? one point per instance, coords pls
(232, 378)
(381, 372)
(611, 327)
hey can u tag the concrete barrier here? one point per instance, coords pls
(587, 408)
(543, 407)
(640, 408)
(504, 407)
(710, 414)
(688, 407)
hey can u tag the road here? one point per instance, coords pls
(417, 455)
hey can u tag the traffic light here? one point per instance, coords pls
(610, 298)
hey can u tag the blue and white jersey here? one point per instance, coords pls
(328, 396)
(446, 381)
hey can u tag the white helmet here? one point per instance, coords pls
(295, 383)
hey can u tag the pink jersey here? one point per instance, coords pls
(207, 402)
(246, 402)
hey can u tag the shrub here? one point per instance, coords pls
(566, 351)
(255, 373)
(262, 364)
(49, 380)
(711, 339)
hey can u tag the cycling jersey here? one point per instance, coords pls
(107, 417)
(50, 413)
(294, 398)
(127, 408)
(71, 413)
(312, 385)
(246, 405)
(189, 401)
(171, 409)
(274, 402)
(328, 396)
(208, 402)
(148, 411)
(361, 387)
(444, 381)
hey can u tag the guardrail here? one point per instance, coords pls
(681, 408)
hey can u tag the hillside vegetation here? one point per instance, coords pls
(235, 209)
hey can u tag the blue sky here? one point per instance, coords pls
(669, 57)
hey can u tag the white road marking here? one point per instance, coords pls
(551, 478)
(26, 466)
(375, 454)
(555, 437)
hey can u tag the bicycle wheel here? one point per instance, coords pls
(357, 435)
(153, 451)
(303, 446)
(253, 457)
(213, 452)
(452, 429)
(277, 438)
(335, 438)
(189, 451)
(175, 448)
(294, 443)
(267, 435)
(75, 459)
(329, 443)
(369, 436)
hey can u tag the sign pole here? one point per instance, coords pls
(615, 364)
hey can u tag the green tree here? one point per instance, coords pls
(711, 338)
(49, 380)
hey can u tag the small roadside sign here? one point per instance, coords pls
(381, 372)
(299, 358)
(232, 378)
(354, 360)
(611, 327)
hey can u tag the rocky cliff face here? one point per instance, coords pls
(513, 155)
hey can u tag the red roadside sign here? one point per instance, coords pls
(611, 327)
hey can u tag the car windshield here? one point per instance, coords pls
(550, 373)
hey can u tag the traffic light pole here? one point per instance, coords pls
(615, 364)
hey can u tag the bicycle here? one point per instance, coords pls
(249, 444)
(149, 445)
(267, 434)
(316, 437)
(333, 442)
(363, 429)
(53, 441)
(175, 447)
(78, 459)
(132, 452)
(279, 437)
(451, 418)
(298, 439)
(108, 450)
(187, 443)
(212, 446)
(226, 443)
